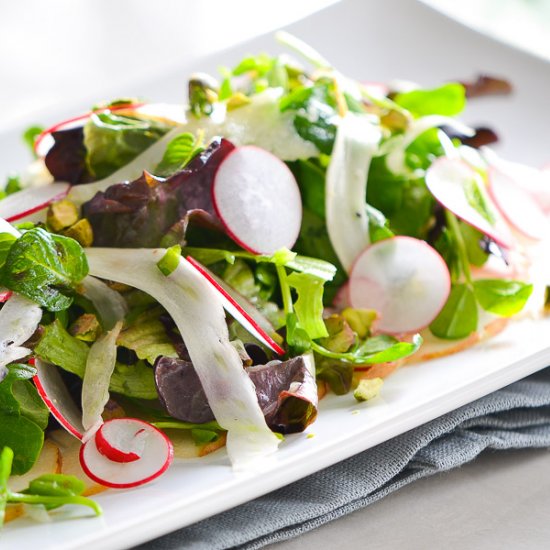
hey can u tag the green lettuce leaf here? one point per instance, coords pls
(112, 141)
(147, 336)
(178, 153)
(309, 305)
(447, 100)
(58, 347)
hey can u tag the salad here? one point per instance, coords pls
(178, 278)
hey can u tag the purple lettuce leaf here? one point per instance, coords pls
(286, 391)
(66, 159)
(486, 85)
(180, 391)
(139, 213)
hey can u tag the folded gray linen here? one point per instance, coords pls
(517, 416)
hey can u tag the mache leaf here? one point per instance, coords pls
(458, 318)
(45, 268)
(502, 297)
(178, 154)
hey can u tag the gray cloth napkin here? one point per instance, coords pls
(517, 416)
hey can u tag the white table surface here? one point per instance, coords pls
(63, 51)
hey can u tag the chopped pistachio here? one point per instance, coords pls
(340, 335)
(237, 100)
(113, 410)
(62, 214)
(368, 388)
(86, 328)
(395, 120)
(82, 232)
(360, 320)
(337, 374)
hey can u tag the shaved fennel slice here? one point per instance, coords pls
(346, 186)
(19, 318)
(100, 365)
(147, 160)
(396, 147)
(199, 315)
(110, 305)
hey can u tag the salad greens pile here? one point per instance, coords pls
(112, 300)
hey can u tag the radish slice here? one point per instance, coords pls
(258, 200)
(447, 180)
(154, 454)
(242, 304)
(236, 311)
(341, 298)
(121, 441)
(402, 278)
(31, 200)
(55, 395)
(519, 208)
(44, 141)
(534, 181)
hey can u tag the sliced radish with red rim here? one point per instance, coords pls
(519, 208)
(102, 456)
(123, 452)
(536, 182)
(258, 200)
(121, 442)
(56, 396)
(447, 179)
(31, 200)
(236, 311)
(404, 279)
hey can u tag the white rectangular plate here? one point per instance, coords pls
(372, 41)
